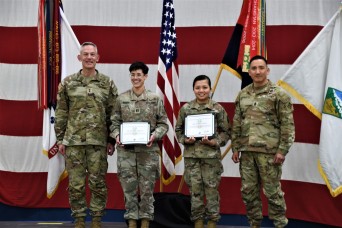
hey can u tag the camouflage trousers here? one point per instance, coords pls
(257, 170)
(82, 161)
(138, 172)
(203, 176)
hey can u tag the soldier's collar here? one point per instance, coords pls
(142, 96)
(80, 76)
(198, 106)
(261, 89)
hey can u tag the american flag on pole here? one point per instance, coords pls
(168, 89)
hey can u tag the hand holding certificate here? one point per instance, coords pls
(199, 125)
(134, 133)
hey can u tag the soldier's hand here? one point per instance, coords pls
(190, 140)
(61, 149)
(279, 158)
(110, 149)
(235, 157)
(150, 142)
(118, 141)
(205, 140)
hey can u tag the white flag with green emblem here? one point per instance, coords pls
(330, 150)
(315, 79)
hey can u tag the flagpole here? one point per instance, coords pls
(226, 152)
(216, 81)
(181, 184)
(161, 172)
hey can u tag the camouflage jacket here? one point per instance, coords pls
(263, 120)
(222, 129)
(148, 107)
(83, 109)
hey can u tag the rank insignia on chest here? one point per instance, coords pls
(271, 91)
(137, 110)
(90, 91)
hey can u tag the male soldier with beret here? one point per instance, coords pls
(263, 132)
(84, 104)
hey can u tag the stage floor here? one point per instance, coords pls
(10, 224)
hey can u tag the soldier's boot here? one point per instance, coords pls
(132, 223)
(80, 222)
(199, 223)
(96, 222)
(145, 223)
(211, 224)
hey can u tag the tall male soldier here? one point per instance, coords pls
(84, 104)
(263, 132)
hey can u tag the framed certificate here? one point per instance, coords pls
(134, 133)
(199, 125)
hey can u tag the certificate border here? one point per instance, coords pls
(134, 142)
(204, 114)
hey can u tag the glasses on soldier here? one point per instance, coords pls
(138, 75)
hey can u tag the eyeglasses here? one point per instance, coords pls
(136, 75)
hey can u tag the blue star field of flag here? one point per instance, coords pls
(168, 41)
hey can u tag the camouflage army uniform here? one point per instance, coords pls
(82, 121)
(203, 167)
(138, 165)
(262, 126)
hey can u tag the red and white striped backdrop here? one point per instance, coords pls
(126, 31)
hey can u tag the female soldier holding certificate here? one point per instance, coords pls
(203, 127)
(138, 112)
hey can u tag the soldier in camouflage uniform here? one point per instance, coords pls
(202, 156)
(84, 104)
(138, 164)
(263, 132)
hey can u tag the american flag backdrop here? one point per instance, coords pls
(168, 89)
(126, 31)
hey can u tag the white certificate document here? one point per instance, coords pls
(199, 125)
(134, 133)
